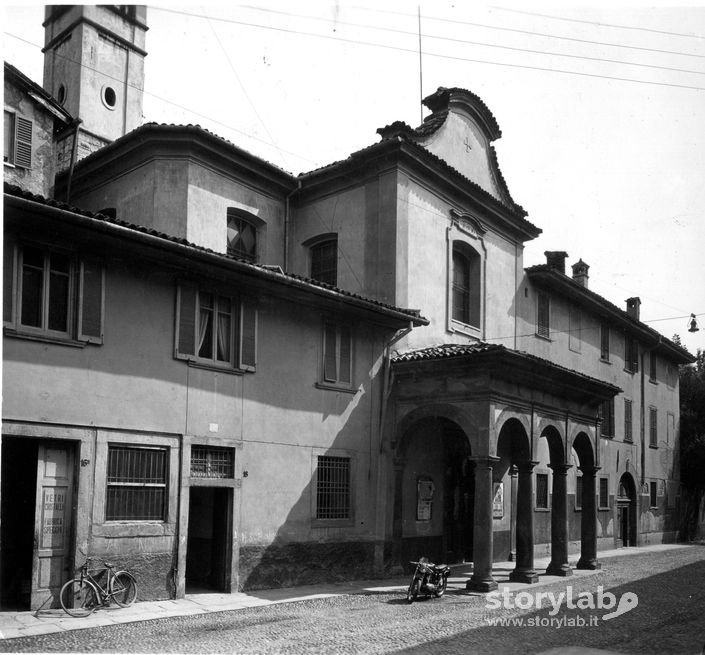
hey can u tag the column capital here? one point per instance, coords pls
(485, 460)
(526, 467)
(560, 469)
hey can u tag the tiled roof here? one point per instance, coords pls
(263, 270)
(446, 350)
(442, 96)
(39, 90)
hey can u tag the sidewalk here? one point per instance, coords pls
(25, 624)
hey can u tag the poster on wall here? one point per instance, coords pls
(424, 499)
(498, 500)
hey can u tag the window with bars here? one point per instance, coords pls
(17, 141)
(653, 492)
(607, 415)
(542, 491)
(337, 354)
(216, 328)
(653, 427)
(136, 486)
(605, 342)
(333, 492)
(52, 293)
(603, 494)
(324, 261)
(212, 462)
(578, 492)
(543, 311)
(628, 420)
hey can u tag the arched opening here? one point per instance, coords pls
(434, 492)
(626, 511)
(515, 472)
(588, 519)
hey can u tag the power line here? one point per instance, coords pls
(442, 56)
(599, 24)
(542, 34)
(478, 43)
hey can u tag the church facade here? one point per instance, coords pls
(207, 382)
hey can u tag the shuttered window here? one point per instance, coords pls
(543, 316)
(653, 427)
(53, 293)
(324, 261)
(17, 141)
(628, 420)
(606, 413)
(337, 354)
(215, 328)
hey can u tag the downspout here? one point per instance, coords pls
(74, 149)
(387, 380)
(287, 216)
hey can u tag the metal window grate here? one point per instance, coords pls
(604, 499)
(542, 323)
(542, 490)
(212, 462)
(333, 488)
(136, 484)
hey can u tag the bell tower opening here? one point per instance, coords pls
(94, 66)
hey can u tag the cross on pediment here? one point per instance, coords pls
(467, 145)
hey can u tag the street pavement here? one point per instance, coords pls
(27, 624)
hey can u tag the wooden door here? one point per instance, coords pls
(52, 526)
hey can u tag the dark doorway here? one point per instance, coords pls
(626, 512)
(209, 536)
(459, 496)
(17, 514)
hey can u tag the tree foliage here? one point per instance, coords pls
(692, 394)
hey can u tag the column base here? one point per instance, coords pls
(523, 575)
(563, 570)
(588, 564)
(481, 585)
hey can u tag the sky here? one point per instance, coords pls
(602, 111)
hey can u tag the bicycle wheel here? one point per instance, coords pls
(79, 597)
(123, 588)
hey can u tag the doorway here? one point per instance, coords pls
(209, 545)
(626, 512)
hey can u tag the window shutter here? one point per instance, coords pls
(23, 142)
(330, 373)
(248, 335)
(186, 316)
(8, 282)
(91, 295)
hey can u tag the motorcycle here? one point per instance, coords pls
(429, 579)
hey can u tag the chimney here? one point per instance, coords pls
(580, 273)
(556, 260)
(633, 305)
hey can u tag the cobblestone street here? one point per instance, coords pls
(668, 619)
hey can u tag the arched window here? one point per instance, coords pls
(242, 235)
(466, 286)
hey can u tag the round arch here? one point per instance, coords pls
(626, 504)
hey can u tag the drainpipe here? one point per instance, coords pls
(74, 149)
(387, 379)
(287, 210)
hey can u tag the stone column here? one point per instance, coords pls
(559, 522)
(524, 570)
(588, 524)
(514, 473)
(482, 579)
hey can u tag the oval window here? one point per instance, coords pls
(61, 94)
(109, 97)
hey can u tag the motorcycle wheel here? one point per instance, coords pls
(441, 588)
(413, 591)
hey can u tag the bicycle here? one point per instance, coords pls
(85, 594)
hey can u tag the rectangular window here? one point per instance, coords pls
(337, 354)
(653, 427)
(49, 293)
(136, 487)
(542, 491)
(604, 497)
(652, 367)
(216, 329)
(628, 420)
(333, 488)
(631, 354)
(670, 428)
(606, 413)
(605, 342)
(653, 491)
(212, 462)
(17, 141)
(543, 315)
(324, 261)
(578, 492)
(574, 329)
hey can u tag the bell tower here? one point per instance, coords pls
(94, 66)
